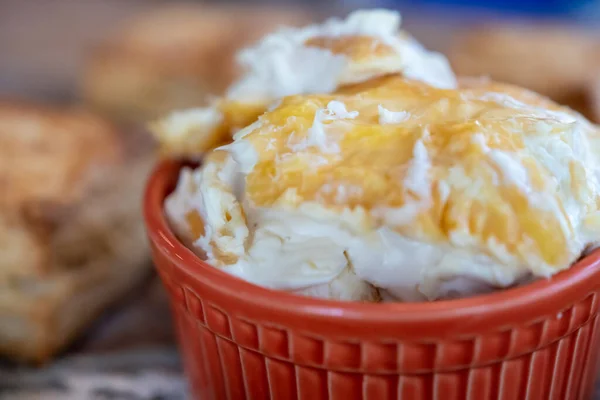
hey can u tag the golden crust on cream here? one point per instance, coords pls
(415, 191)
(314, 59)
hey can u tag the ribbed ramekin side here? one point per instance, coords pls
(227, 357)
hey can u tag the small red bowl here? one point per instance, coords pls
(241, 341)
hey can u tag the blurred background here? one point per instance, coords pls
(126, 62)
(44, 44)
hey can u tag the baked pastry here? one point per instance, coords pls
(552, 60)
(593, 97)
(71, 235)
(313, 59)
(395, 186)
(173, 57)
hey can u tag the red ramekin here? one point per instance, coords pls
(241, 341)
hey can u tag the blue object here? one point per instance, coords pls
(535, 7)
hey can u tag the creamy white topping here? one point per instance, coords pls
(317, 135)
(337, 252)
(306, 249)
(387, 117)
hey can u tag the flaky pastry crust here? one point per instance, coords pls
(71, 237)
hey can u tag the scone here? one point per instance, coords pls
(552, 60)
(417, 192)
(314, 59)
(173, 57)
(71, 235)
(593, 97)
